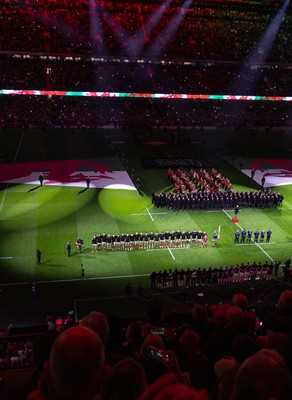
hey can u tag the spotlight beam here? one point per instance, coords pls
(260, 54)
(136, 44)
(164, 38)
(96, 33)
(121, 38)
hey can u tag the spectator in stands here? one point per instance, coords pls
(283, 309)
(159, 362)
(226, 368)
(276, 329)
(154, 314)
(168, 388)
(261, 377)
(126, 381)
(201, 323)
(220, 343)
(153, 367)
(41, 353)
(219, 319)
(240, 300)
(51, 325)
(193, 360)
(116, 332)
(76, 366)
(133, 336)
(285, 302)
(98, 322)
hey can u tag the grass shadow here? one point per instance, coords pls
(82, 191)
(34, 188)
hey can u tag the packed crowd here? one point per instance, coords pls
(206, 37)
(218, 351)
(220, 33)
(15, 352)
(149, 76)
(43, 111)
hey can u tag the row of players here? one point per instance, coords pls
(258, 236)
(232, 274)
(144, 241)
(209, 201)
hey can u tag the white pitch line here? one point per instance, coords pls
(167, 248)
(172, 248)
(219, 211)
(100, 278)
(111, 298)
(3, 198)
(139, 214)
(170, 252)
(155, 249)
(251, 239)
(5, 258)
(152, 219)
(162, 213)
(251, 244)
(226, 213)
(286, 202)
(14, 161)
(76, 301)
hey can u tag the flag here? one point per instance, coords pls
(219, 231)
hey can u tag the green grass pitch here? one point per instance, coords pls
(50, 216)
